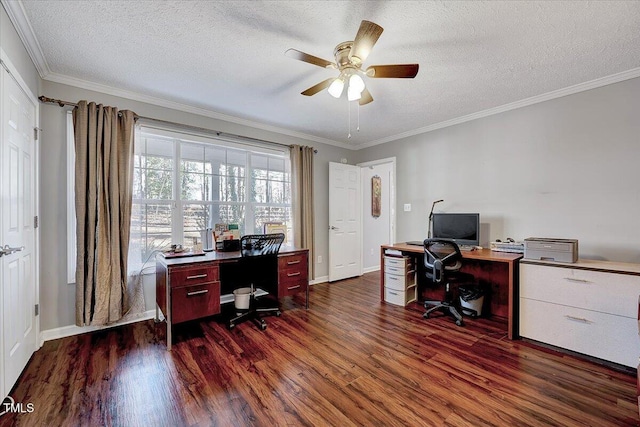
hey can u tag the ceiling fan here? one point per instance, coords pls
(349, 57)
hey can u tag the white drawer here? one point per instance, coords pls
(396, 271)
(600, 335)
(393, 296)
(404, 263)
(399, 283)
(392, 281)
(592, 290)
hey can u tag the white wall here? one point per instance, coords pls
(568, 167)
(376, 231)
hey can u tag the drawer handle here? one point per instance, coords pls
(293, 287)
(297, 273)
(197, 276)
(392, 278)
(204, 291)
(571, 279)
(293, 262)
(578, 319)
(393, 293)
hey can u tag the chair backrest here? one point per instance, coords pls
(261, 244)
(441, 256)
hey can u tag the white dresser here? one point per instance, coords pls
(399, 280)
(590, 307)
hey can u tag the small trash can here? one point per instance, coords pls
(241, 298)
(471, 300)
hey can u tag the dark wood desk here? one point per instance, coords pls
(497, 269)
(191, 287)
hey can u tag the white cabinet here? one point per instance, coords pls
(399, 280)
(589, 307)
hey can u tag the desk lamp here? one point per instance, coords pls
(431, 217)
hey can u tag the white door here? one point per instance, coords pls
(345, 222)
(17, 235)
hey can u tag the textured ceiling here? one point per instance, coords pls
(227, 57)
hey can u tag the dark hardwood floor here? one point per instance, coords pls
(348, 360)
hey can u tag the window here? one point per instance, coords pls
(184, 183)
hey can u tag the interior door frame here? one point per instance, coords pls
(392, 196)
(6, 63)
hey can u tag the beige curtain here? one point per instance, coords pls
(104, 170)
(302, 200)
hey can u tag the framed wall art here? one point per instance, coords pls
(376, 196)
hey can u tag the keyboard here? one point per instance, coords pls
(466, 248)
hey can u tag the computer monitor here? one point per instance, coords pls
(463, 228)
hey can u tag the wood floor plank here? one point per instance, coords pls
(347, 361)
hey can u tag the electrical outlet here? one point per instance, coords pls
(371, 251)
(407, 207)
(319, 259)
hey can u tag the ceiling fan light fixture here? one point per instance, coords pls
(356, 83)
(336, 87)
(353, 94)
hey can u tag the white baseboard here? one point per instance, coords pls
(317, 280)
(370, 269)
(67, 331)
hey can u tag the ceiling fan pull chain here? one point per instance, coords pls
(358, 108)
(349, 115)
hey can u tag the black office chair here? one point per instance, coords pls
(259, 269)
(443, 260)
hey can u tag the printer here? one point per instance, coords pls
(549, 249)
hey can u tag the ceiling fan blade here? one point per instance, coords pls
(367, 36)
(317, 88)
(401, 71)
(365, 97)
(305, 57)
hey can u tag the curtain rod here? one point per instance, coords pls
(62, 103)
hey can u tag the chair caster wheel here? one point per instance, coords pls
(263, 326)
(459, 323)
(231, 326)
(426, 315)
(278, 314)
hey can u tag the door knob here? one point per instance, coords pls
(7, 250)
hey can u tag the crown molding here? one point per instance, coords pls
(580, 87)
(18, 17)
(161, 102)
(23, 27)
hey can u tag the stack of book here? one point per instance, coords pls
(515, 247)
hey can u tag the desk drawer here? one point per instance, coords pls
(292, 263)
(400, 263)
(592, 290)
(194, 302)
(193, 275)
(292, 286)
(396, 297)
(397, 282)
(601, 335)
(293, 274)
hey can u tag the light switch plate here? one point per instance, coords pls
(407, 207)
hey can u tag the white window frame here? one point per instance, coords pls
(71, 203)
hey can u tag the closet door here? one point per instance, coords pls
(18, 260)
